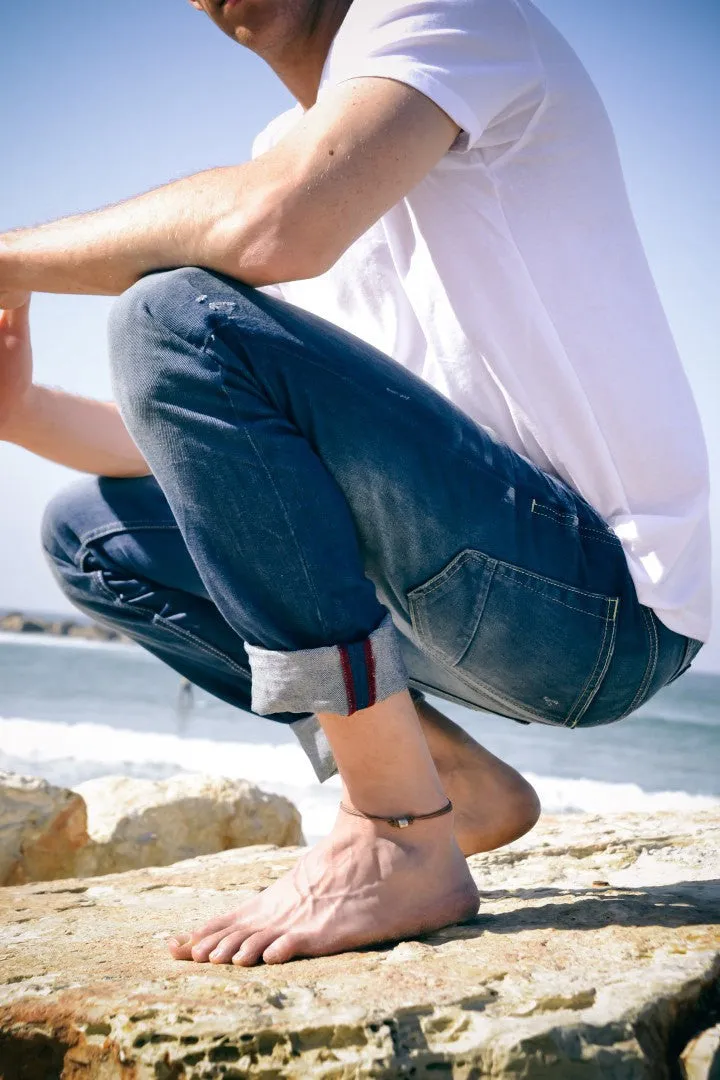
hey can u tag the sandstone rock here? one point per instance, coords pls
(119, 823)
(134, 823)
(700, 1059)
(595, 956)
(41, 829)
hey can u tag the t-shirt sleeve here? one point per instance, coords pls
(474, 58)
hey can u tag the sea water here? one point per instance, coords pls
(73, 710)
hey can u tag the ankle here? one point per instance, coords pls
(427, 832)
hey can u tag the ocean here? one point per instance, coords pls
(74, 710)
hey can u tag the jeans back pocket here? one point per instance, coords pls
(537, 647)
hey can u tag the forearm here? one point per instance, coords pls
(83, 434)
(225, 219)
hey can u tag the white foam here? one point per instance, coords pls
(62, 641)
(43, 741)
(67, 753)
(560, 795)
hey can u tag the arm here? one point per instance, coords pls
(83, 434)
(74, 431)
(289, 214)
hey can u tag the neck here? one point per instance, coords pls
(300, 66)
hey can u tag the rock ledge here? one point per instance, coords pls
(596, 954)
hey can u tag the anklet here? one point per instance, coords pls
(399, 822)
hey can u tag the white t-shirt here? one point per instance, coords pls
(513, 280)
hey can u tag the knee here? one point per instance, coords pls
(524, 811)
(143, 328)
(515, 811)
(64, 522)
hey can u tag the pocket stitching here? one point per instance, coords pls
(421, 591)
(584, 699)
(611, 602)
(417, 599)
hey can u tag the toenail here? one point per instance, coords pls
(215, 953)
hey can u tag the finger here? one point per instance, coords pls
(11, 301)
(16, 320)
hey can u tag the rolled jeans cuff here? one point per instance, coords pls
(330, 679)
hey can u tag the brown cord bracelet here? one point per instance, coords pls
(399, 822)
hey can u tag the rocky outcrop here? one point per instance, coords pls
(700, 1059)
(134, 823)
(42, 827)
(118, 823)
(595, 955)
(16, 622)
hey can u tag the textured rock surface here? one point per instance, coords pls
(118, 823)
(596, 954)
(134, 823)
(41, 829)
(701, 1057)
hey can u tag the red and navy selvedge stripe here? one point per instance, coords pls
(358, 668)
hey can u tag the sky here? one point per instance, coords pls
(103, 101)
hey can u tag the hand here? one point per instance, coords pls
(9, 301)
(15, 358)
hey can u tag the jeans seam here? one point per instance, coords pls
(572, 521)
(158, 620)
(508, 702)
(120, 526)
(179, 631)
(241, 429)
(592, 685)
(651, 664)
(97, 576)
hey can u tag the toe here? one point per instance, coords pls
(201, 949)
(180, 946)
(222, 922)
(227, 947)
(226, 921)
(253, 947)
(285, 948)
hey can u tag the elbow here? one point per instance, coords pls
(291, 257)
(271, 242)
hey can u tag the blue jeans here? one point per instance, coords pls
(323, 529)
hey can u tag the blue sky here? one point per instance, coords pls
(103, 101)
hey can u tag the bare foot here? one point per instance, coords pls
(365, 883)
(493, 803)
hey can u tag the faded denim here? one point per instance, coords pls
(323, 529)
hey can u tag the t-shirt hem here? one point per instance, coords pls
(684, 623)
